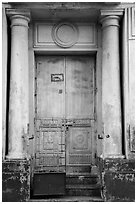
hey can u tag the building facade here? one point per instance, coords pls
(68, 100)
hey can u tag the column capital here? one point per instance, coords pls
(18, 13)
(19, 20)
(110, 21)
(110, 17)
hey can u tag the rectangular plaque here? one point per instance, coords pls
(57, 77)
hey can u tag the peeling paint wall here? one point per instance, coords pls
(118, 179)
(16, 180)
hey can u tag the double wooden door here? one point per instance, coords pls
(64, 108)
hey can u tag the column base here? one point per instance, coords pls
(12, 156)
(15, 180)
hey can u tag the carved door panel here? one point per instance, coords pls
(80, 111)
(79, 149)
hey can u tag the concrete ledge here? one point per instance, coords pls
(15, 180)
(118, 179)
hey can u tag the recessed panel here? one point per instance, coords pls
(65, 35)
(80, 87)
(50, 87)
(80, 139)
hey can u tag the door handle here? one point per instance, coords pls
(32, 137)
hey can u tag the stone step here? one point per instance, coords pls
(78, 168)
(69, 199)
(83, 190)
(82, 179)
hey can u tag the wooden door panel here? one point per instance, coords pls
(50, 87)
(50, 110)
(79, 87)
(80, 105)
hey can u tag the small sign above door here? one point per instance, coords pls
(57, 77)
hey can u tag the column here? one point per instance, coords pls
(111, 97)
(19, 86)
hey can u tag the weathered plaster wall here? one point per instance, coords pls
(131, 19)
(15, 180)
(128, 73)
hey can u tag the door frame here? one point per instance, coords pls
(97, 102)
(97, 91)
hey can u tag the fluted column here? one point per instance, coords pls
(111, 97)
(18, 102)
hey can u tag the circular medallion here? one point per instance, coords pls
(65, 34)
